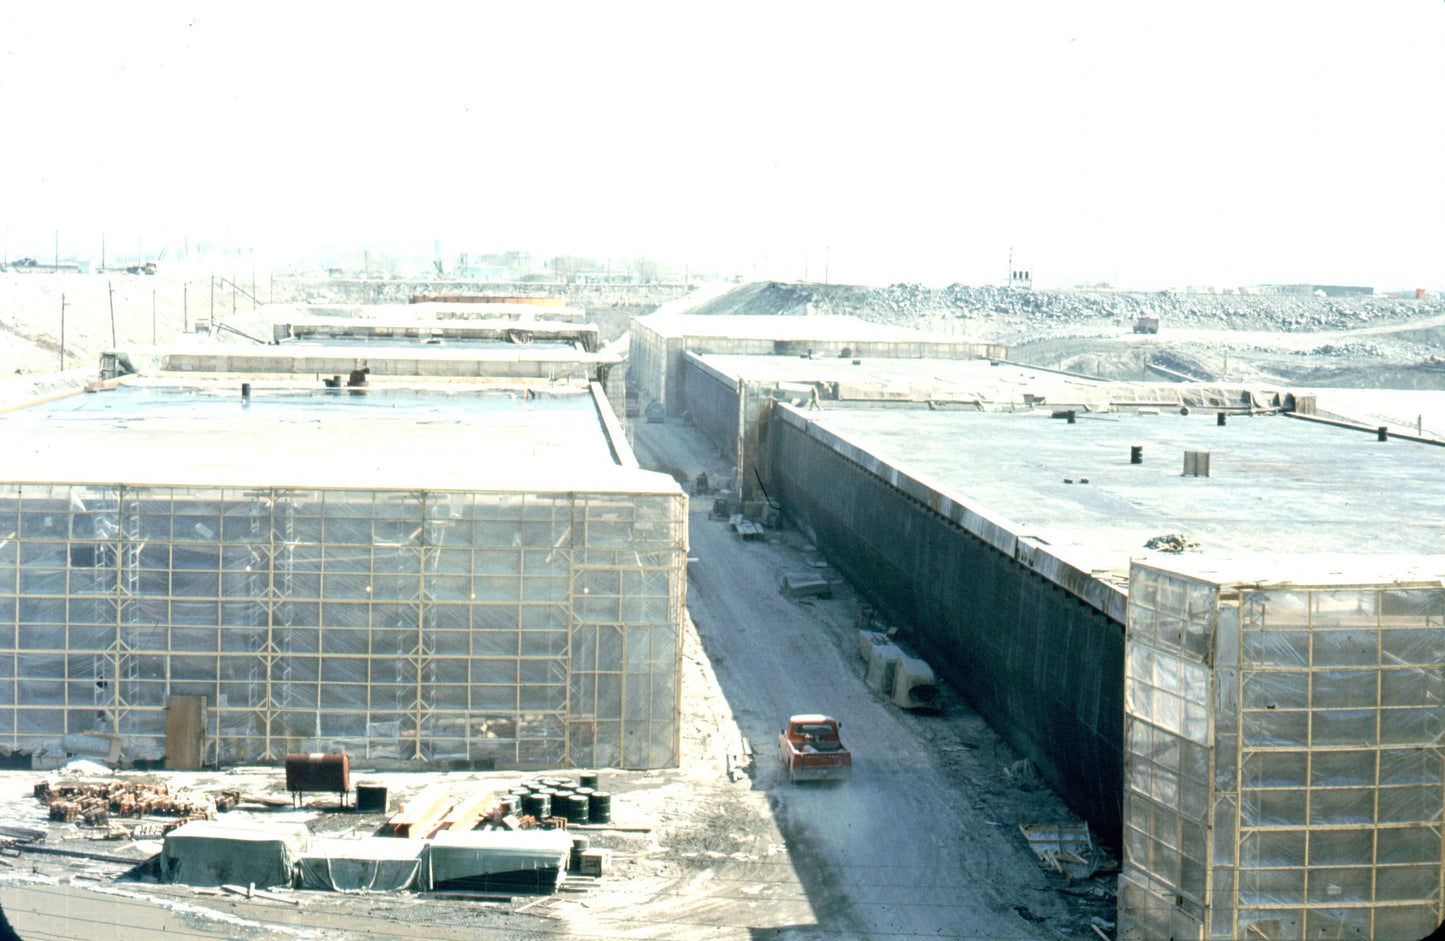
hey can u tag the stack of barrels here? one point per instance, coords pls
(578, 801)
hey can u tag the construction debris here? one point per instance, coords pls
(744, 527)
(739, 761)
(1066, 849)
(1173, 542)
(251, 892)
(95, 804)
(804, 585)
(1023, 774)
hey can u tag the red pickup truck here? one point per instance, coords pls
(812, 751)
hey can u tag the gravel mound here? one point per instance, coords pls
(1385, 342)
(1021, 311)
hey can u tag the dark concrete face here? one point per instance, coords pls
(1045, 669)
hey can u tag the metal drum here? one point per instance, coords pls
(599, 807)
(538, 805)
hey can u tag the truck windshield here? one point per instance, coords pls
(817, 731)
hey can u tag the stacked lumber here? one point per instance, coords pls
(421, 816)
(437, 808)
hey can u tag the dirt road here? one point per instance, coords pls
(922, 842)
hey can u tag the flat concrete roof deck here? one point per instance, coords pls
(822, 327)
(1278, 485)
(393, 348)
(287, 435)
(996, 385)
(881, 369)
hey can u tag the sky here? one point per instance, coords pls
(1143, 144)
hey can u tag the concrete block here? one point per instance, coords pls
(883, 667)
(914, 685)
(595, 862)
(867, 640)
(806, 585)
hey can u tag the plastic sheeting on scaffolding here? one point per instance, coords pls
(209, 853)
(374, 864)
(531, 860)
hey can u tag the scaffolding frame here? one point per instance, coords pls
(477, 627)
(1284, 768)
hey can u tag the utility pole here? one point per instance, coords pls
(62, 333)
(111, 289)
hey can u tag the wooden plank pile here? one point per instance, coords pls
(438, 808)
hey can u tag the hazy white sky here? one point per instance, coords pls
(1144, 142)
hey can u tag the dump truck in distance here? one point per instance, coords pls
(812, 751)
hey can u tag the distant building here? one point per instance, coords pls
(482, 273)
(606, 277)
(1329, 290)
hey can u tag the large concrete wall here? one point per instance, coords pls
(713, 398)
(658, 355)
(1042, 665)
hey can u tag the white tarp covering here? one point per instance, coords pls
(532, 859)
(209, 853)
(374, 864)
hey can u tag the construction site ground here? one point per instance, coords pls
(922, 842)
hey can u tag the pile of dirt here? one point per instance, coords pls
(1329, 341)
(1023, 313)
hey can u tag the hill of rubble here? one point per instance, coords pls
(1367, 341)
